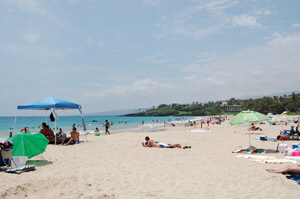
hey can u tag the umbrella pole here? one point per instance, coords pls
(23, 149)
(13, 130)
(55, 133)
(249, 139)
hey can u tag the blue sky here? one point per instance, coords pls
(130, 54)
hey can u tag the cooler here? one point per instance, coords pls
(263, 138)
(18, 161)
(282, 147)
(295, 145)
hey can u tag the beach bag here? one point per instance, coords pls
(52, 118)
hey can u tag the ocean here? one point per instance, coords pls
(119, 123)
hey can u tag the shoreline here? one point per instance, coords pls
(121, 124)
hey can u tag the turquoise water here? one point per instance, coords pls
(120, 123)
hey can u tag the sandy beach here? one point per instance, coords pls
(117, 166)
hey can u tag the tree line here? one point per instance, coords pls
(275, 105)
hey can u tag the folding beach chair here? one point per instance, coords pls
(6, 153)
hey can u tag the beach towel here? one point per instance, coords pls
(255, 156)
(249, 151)
(200, 130)
(81, 142)
(268, 159)
(295, 177)
(276, 161)
(274, 139)
(21, 169)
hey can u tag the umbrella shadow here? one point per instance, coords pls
(38, 162)
(270, 151)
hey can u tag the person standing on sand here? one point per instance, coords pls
(106, 125)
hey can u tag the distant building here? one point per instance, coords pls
(232, 108)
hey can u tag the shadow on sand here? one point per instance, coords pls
(38, 162)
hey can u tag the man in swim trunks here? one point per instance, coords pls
(74, 137)
(107, 125)
(152, 143)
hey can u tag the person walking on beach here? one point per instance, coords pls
(106, 125)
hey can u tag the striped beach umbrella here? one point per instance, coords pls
(281, 118)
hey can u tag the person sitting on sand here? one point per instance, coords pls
(152, 143)
(253, 127)
(50, 136)
(60, 137)
(44, 130)
(287, 169)
(47, 132)
(74, 137)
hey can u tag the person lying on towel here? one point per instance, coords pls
(152, 143)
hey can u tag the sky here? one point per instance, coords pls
(131, 54)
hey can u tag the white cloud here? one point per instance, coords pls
(261, 12)
(140, 87)
(296, 25)
(73, 1)
(245, 20)
(205, 57)
(31, 6)
(31, 37)
(182, 21)
(101, 43)
(285, 39)
(155, 59)
(151, 2)
(90, 41)
(192, 68)
(190, 77)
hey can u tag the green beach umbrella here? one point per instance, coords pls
(248, 117)
(28, 144)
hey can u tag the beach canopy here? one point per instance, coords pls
(48, 103)
(52, 104)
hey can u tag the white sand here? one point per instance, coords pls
(117, 166)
